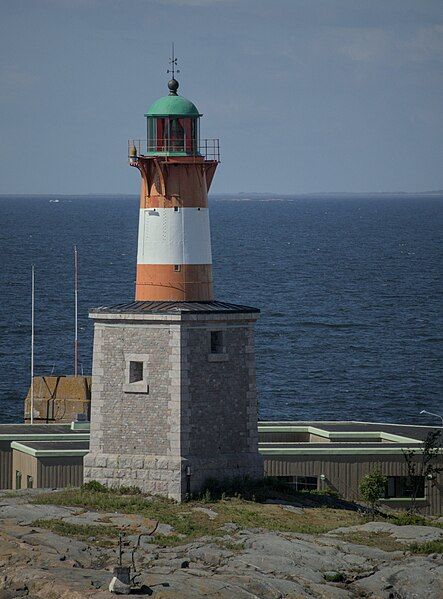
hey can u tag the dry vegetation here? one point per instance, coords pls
(321, 513)
(189, 523)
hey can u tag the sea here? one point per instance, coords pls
(349, 288)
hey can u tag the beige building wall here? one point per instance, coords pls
(27, 465)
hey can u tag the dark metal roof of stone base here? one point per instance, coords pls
(175, 308)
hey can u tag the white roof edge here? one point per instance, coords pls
(41, 453)
(314, 422)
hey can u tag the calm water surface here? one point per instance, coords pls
(349, 289)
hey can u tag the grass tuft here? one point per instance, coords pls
(381, 540)
(427, 548)
(104, 536)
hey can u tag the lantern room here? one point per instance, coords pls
(173, 125)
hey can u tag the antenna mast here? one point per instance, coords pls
(173, 63)
(75, 311)
(32, 341)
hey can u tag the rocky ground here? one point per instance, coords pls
(368, 560)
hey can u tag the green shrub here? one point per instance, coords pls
(372, 487)
(259, 490)
(405, 519)
(334, 577)
(95, 486)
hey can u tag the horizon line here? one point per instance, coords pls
(235, 194)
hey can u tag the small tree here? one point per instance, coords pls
(422, 463)
(372, 488)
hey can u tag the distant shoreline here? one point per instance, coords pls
(242, 195)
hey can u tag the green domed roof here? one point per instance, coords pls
(173, 105)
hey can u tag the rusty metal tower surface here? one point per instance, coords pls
(174, 260)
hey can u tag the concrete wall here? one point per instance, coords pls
(200, 411)
(344, 472)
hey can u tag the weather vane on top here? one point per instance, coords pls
(173, 63)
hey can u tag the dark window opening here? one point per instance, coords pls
(175, 208)
(177, 267)
(135, 372)
(301, 483)
(18, 479)
(405, 486)
(29, 482)
(217, 342)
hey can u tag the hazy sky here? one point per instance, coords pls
(305, 95)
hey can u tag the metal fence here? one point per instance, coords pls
(208, 148)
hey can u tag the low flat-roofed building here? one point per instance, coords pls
(336, 455)
(23, 433)
(307, 455)
(48, 464)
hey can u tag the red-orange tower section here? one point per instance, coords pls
(174, 261)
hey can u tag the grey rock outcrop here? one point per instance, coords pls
(40, 564)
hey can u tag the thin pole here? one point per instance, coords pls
(32, 341)
(75, 311)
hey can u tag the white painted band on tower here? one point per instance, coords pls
(169, 236)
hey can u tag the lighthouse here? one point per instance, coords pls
(173, 395)
(174, 260)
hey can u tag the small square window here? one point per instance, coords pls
(176, 208)
(29, 482)
(177, 267)
(217, 345)
(135, 371)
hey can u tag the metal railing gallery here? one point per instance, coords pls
(208, 148)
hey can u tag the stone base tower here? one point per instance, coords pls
(173, 396)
